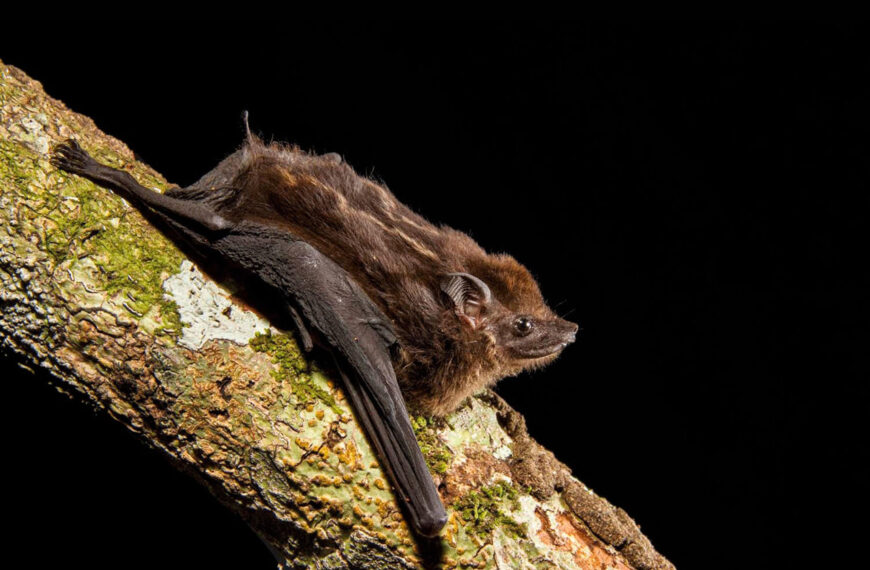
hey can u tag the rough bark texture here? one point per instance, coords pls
(110, 307)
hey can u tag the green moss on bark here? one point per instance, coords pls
(483, 510)
(74, 220)
(292, 368)
(437, 456)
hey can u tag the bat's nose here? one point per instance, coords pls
(568, 330)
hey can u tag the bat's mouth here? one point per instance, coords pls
(539, 352)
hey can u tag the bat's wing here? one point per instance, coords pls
(360, 334)
(327, 298)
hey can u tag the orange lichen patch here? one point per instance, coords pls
(348, 454)
(477, 470)
(545, 535)
(321, 480)
(562, 533)
(358, 493)
(602, 557)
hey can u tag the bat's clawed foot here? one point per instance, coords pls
(72, 158)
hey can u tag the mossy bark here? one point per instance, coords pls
(109, 307)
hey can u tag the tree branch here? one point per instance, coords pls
(110, 308)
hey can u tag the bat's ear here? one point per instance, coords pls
(470, 296)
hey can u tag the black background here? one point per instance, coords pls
(692, 194)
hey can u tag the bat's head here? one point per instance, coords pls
(500, 305)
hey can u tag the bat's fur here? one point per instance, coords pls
(344, 256)
(401, 261)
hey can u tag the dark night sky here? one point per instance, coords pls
(692, 193)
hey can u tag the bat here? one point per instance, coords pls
(410, 311)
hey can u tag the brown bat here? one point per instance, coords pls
(406, 307)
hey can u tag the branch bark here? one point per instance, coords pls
(112, 309)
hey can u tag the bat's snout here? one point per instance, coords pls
(566, 331)
(546, 339)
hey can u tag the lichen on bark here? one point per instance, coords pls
(91, 293)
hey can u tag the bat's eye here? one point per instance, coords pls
(523, 326)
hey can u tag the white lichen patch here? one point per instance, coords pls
(31, 132)
(513, 552)
(526, 514)
(508, 553)
(207, 311)
(477, 423)
(78, 275)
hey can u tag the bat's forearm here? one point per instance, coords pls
(72, 158)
